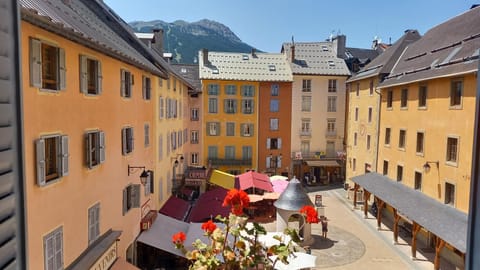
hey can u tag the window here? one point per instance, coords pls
(160, 147)
(230, 106)
(212, 152)
(161, 107)
(212, 105)
(95, 147)
(306, 126)
(452, 149)
(247, 130)
(229, 152)
(274, 105)
(332, 85)
(168, 83)
(194, 158)
(53, 250)
(194, 137)
(399, 173)
(230, 89)
(449, 194)
(90, 76)
(146, 137)
(273, 123)
(306, 103)
(126, 82)
(247, 106)
(354, 164)
(146, 88)
(420, 142)
(422, 96)
(213, 128)
(456, 92)
(331, 126)
(418, 181)
(306, 85)
(131, 197)
(247, 152)
(93, 223)
(305, 148)
(52, 158)
(370, 114)
(389, 99)
(274, 89)
(404, 98)
(230, 129)
(213, 89)
(385, 167)
(368, 142)
(401, 138)
(357, 91)
(387, 136)
(356, 114)
(127, 140)
(274, 143)
(148, 188)
(332, 104)
(355, 139)
(47, 66)
(194, 114)
(371, 88)
(248, 90)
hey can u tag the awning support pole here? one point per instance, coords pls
(355, 189)
(440, 243)
(365, 202)
(396, 219)
(380, 206)
(415, 229)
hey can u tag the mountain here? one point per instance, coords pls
(184, 39)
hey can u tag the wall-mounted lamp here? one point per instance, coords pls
(426, 166)
(175, 163)
(143, 176)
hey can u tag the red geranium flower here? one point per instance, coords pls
(310, 213)
(237, 200)
(179, 238)
(209, 227)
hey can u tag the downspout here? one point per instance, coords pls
(379, 106)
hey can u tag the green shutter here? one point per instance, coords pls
(35, 63)
(40, 152)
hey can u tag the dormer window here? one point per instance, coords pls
(324, 48)
(215, 71)
(245, 57)
(331, 63)
(272, 68)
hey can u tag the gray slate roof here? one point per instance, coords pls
(92, 24)
(294, 197)
(261, 67)
(443, 220)
(448, 49)
(315, 58)
(383, 64)
(190, 73)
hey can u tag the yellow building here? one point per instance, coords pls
(231, 85)
(426, 137)
(88, 116)
(363, 112)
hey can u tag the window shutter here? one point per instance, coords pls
(144, 87)
(35, 63)
(279, 161)
(279, 140)
(225, 106)
(101, 139)
(91, 221)
(64, 155)
(268, 162)
(124, 141)
(88, 149)
(58, 242)
(235, 106)
(132, 139)
(251, 130)
(124, 204)
(40, 147)
(136, 196)
(99, 77)
(83, 74)
(62, 69)
(48, 247)
(268, 143)
(151, 179)
(122, 82)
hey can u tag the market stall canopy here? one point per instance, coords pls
(222, 179)
(176, 208)
(256, 180)
(209, 205)
(322, 163)
(279, 185)
(278, 177)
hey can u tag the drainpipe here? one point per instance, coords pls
(379, 106)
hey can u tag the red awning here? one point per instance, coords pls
(209, 205)
(256, 180)
(176, 208)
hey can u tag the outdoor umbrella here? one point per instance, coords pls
(254, 180)
(279, 185)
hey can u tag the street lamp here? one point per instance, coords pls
(143, 176)
(275, 162)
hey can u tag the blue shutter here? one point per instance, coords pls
(279, 142)
(268, 162)
(35, 63)
(144, 87)
(40, 152)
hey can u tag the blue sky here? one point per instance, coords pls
(266, 24)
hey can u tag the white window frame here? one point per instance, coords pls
(274, 123)
(95, 148)
(306, 103)
(331, 104)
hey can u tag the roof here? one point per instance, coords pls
(361, 53)
(256, 180)
(190, 73)
(262, 67)
(443, 220)
(94, 25)
(384, 63)
(315, 58)
(209, 205)
(448, 49)
(294, 197)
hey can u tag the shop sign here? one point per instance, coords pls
(107, 259)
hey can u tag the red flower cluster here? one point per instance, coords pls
(209, 227)
(179, 238)
(237, 199)
(311, 213)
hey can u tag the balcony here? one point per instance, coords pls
(305, 133)
(230, 162)
(331, 133)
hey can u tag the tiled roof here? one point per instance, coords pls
(315, 58)
(245, 67)
(93, 25)
(451, 48)
(384, 63)
(361, 53)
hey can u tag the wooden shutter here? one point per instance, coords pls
(88, 149)
(122, 82)
(35, 62)
(64, 155)
(99, 77)
(124, 141)
(101, 138)
(83, 74)
(62, 70)
(136, 196)
(125, 201)
(40, 149)
(268, 143)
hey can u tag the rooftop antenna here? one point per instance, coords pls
(293, 41)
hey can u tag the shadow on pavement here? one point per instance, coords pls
(322, 243)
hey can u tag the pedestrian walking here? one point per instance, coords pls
(324, 222)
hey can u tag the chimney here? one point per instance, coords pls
(157, 43)
(205, 57)
(253, 53)
(341, 41)
(292, 49)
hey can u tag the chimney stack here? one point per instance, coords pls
(253, 52)
(292, 49)
(157, 43)
(341, 41)
(205, 57)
